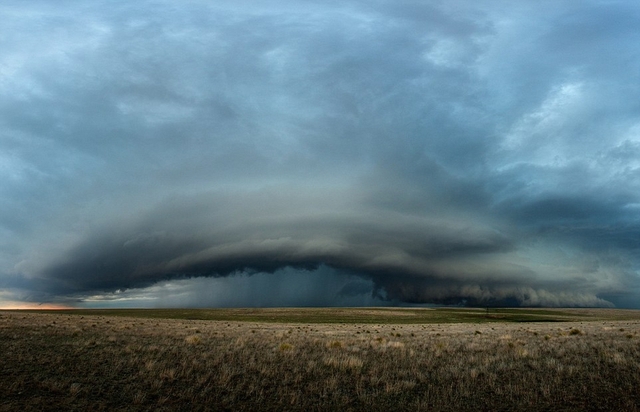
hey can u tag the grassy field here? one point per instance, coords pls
(320, 359)
(368, 315)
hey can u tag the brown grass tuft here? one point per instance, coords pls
(193, 339)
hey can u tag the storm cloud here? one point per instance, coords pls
(316, 153)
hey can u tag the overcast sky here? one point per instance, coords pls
(261, 153)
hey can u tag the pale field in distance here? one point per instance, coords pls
(64, 361)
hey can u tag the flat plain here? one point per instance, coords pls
(318, 359)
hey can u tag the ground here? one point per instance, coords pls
(320, 359)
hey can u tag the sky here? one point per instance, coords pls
(230, 153)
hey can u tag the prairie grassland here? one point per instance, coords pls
(58, 361)
(370, 315)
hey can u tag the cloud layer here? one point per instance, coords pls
(405, 152)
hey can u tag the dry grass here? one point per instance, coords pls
(56, 361)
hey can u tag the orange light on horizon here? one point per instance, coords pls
(30, 305)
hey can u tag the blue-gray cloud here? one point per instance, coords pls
(458, 152)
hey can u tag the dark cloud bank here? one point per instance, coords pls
(310, 153)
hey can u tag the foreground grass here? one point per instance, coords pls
(58, 361)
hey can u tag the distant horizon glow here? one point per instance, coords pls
(8, 305)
